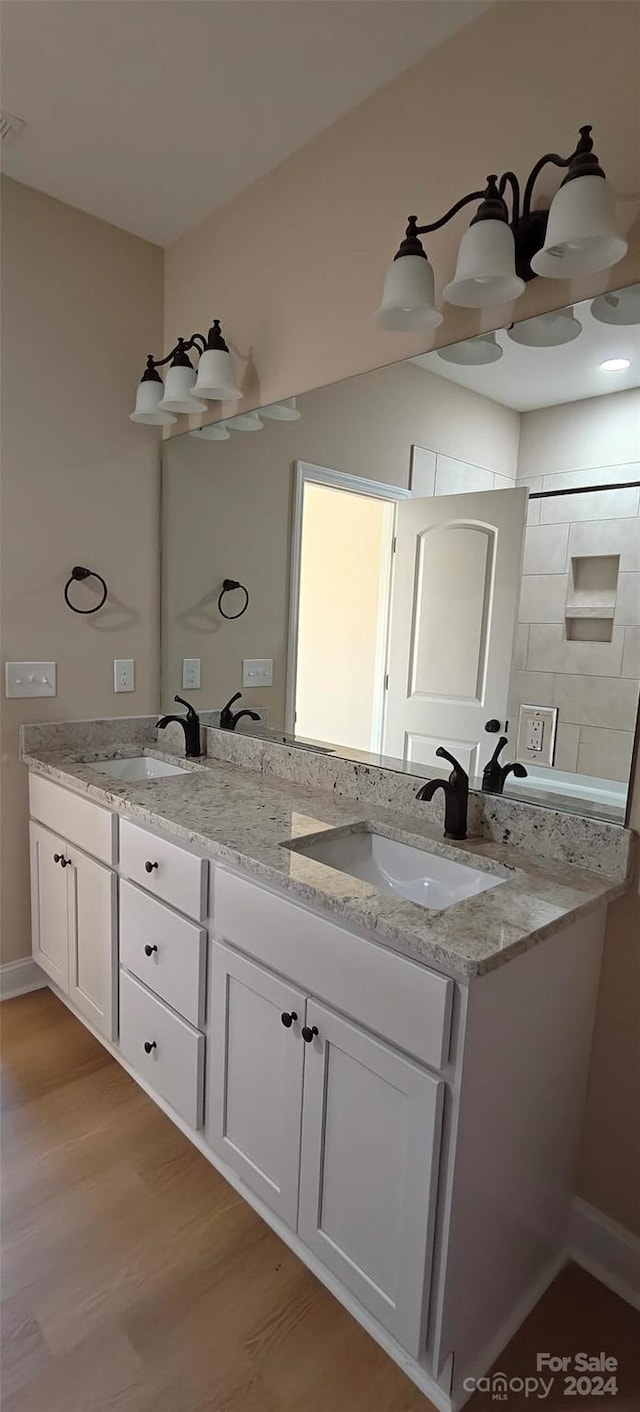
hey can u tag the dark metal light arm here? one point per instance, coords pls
(414, 229)
(510, 179)
(581, 155)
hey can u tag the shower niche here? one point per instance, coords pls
(591, 597)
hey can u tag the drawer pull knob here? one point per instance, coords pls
(149, 1045)
(288, 1018)
(149, 867)
(309, 1033)
(149, 950)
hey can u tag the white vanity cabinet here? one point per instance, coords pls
(73, 918)
(360, 1189)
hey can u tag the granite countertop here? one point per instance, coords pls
(245, 818)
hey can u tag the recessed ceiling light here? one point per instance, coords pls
(615, 365)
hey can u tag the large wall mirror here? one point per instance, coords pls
(445, 551)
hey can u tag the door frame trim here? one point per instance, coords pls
(305, 472)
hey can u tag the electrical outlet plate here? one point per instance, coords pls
(257, 671)
(191, 667)
(536, 742)
(124, 674)
(30, 678)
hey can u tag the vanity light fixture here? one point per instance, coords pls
(216, 379)
(615, 365)
(501, 250)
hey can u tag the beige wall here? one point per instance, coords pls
(581, 436)
(226, 509)
(81, 307)
(294, 267)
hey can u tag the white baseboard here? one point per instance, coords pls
(19, 977)
(606, 1250)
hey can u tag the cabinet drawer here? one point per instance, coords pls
(163, 950)
(395, 997)
(174, 1065)
(164, 869)
(77, 819)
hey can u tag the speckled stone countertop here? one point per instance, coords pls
(246, 819)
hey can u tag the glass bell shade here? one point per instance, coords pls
(472, 352)
(217, 431)
(148, 410)
(178, 391)
(408, 298)
(486, 270)
(245, 421)
(546, 330)
(217, 376)
(284, 411)
(581, 232)
(621, 308)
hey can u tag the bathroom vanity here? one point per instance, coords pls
(396, 1088)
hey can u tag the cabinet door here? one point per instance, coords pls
(254, 1079)
(92, 941)
(368, 1176)
(49, 904)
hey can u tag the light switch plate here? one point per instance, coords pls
(257, 671)
(191, 673)
(30, 678)
(536, 743)
(124, 674)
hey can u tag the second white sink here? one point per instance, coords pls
(138, 767)
(426, 878)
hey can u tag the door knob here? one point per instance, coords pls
(492, 726)
(309, 1033)
(149, 950)
(149, 867)
(149, 1045)
(288, 1018)
(57, 857)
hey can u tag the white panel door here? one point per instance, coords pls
(92, 941)
(368, 1175)
(454, 605)
(254, 1077)
(50, 904)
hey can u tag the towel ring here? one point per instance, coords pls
(77, 574)
(228, 586)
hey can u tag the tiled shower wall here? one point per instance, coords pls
(593, 684)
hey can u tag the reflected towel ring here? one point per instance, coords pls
(77, 574)
(228, 586)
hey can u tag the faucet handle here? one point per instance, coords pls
(457, 767)
(191, 711)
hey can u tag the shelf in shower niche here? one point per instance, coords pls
(591, 599)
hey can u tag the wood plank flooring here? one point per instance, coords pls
(134, 1278)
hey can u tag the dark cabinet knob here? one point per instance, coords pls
(309, 1033)
(288, 1018)
(149, 950)
(150, 867)
(149, 1045)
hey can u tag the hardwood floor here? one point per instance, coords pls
(134, 1278)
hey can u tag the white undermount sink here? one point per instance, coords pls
(138, 767)
(426, 878)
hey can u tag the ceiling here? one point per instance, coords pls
(153, 113)
(526, 378)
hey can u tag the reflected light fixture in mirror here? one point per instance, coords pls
(503, 249)
(284, 411)
(615, 365)
(546, 330)
(620, 308)
(472, 352)
(246, 421)
(216, 432)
